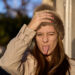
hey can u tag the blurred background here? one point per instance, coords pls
(14, 13)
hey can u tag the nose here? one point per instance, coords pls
(45, 39)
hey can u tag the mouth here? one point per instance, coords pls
(45, 49)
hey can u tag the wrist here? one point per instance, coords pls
(31, 27)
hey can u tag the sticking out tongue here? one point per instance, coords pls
(45, 49)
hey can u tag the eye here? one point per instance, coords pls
(51, 33)
(39, 34)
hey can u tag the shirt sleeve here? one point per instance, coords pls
(72, 65)
(11, 60)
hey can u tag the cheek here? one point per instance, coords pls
(54, 43)
(38, 41)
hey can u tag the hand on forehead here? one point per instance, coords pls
(45, 13)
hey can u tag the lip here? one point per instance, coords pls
(45, 46)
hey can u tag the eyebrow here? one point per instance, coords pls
(47, 32)
(51, 32)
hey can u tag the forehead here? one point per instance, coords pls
(46, 28)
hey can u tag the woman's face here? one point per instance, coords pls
(46, 39)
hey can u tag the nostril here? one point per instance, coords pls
(45, 39)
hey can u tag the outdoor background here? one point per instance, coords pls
(14, 13)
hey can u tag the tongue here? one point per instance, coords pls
(45, 49)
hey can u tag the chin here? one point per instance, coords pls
(46, 54)
(49, 54)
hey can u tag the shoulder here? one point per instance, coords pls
(72, 64)
(30, 57)
(31, 60)
(30, 65)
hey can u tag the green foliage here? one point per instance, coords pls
(9, 27)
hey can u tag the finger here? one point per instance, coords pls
(44, 15)
(44, 11)
(46, 20)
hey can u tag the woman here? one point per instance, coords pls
(38, 47)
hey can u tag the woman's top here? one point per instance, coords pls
(13, 62)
